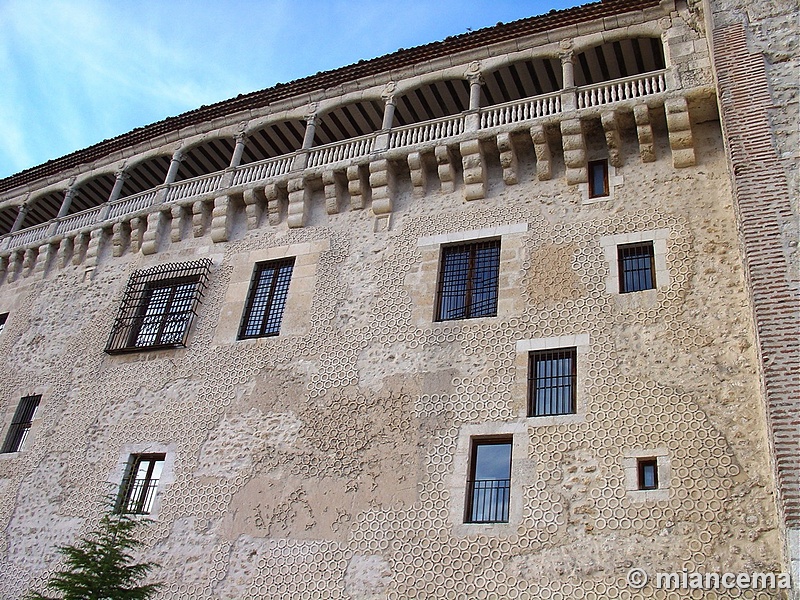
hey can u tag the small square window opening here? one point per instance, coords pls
(468, 281)
(637, 270)
(489, 484)
(21, 424)
(552, 377)
(647, 469)
(266, 299)
(598, 178)
(138, 491)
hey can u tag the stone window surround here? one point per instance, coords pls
(522, 476)
(609, 245)
(117, 474)
(630, 467)
(615, 180)
(297, 310)
(520, 394)
(423, 294)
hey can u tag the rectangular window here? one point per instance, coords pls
(138, 491)
(637, 269)
(648, 473)
(489, 484)
(158, 307)
(266, 299)
(468, 281)
(552, 377)
(3, 319)
(598, 178)
(21, 424)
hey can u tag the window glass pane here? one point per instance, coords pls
(552, 382)
(267, 299)
(493, 461)
(636, 266)
(468, 281)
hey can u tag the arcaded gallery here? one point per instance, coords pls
(508, 315)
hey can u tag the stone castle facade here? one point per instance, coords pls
(502, 316)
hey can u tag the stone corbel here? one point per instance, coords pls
(150, 237)
(382, 182)
(446, 169)
(544, 162)
(219, 219)
(271, 195)
(199, 216)
(647, 152)
(574, 143)
(357, 187)
(299, 201)
(333, 191)
(611, 129)
(474, 170)
(254, 201)
(419, 177)
(679, 126)
(508, 158)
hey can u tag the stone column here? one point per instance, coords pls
(23, 212)
(472, 118)
(116, 191)
(311, 129)
(172, 174)
(66, 203)
(568, 91)
(236, 159)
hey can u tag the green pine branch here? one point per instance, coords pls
(100, 566)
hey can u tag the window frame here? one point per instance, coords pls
(469, 279)
(650, 254)
(533, 379)
(142, 294)
(603, 165)
(275, 304)
(505, 491)
(21, 423)
(146, 495)
(642, 464)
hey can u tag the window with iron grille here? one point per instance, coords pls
(138, 491)
(637, 269)
(158, 307)
(3, 319)
(468, 281)
(598, 178)
(266, 299)
(21, 424)
(489, 484)
(552, 378)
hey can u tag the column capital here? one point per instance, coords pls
(388, 92)
(473, 73)
(178, 155)
(122, 175)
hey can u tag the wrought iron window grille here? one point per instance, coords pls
(266, 299)
(158, 307)
(552, 379)
(489, 483)
(21, 424)
(637, 268)
(469, 276)
(138, 490)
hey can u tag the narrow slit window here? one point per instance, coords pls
(266, 299)
(3, 319)
(468, 281)
(637, 270)
(552, 378)
(489, 484)
(648, 473)
(598, 178)
(21, 424)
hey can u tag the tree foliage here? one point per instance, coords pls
(100, 566)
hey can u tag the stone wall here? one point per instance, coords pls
(328, 462)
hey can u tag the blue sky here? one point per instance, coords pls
(75, 72)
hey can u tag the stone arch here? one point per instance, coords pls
(618, 58)
(349, 120)
(521, 78)
(432, 100)
(273, 139)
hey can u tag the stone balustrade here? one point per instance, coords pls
(437, 132)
